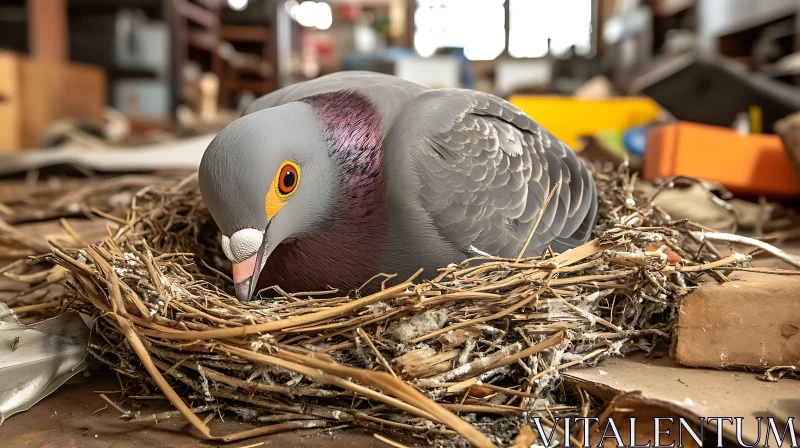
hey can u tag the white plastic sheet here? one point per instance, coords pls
(36, 359)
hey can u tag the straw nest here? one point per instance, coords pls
(467, 357)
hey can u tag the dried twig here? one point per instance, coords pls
(739, 239)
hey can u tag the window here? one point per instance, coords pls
(479, 27)
(564, 22)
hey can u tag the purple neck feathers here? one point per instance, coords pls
(343, 252)
(355, 132)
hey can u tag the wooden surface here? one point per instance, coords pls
(75, 416)
(752, 322)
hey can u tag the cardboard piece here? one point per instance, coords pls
(750, 322)
(35, 93)
(179, 155)
(692, 393)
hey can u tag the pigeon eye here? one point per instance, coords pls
(287, 180)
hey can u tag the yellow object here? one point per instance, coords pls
(755, 120)
(569, 119)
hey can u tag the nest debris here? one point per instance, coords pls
(465, 358)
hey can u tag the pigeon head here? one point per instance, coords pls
(281, 174)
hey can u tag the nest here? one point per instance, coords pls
(467, 357)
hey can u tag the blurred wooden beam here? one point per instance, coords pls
(668, 8)
(245, 33)
(408, 37)
(47, 30)
(599, 17)
(398, 17)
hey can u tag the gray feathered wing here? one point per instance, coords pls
(484, 169)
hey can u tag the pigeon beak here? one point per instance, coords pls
(246, 273)
(243, 280)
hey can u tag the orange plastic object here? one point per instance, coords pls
(749, 164)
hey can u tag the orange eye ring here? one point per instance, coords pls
(287, 179)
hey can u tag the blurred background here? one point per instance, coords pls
(702, 88)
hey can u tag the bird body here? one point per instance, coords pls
(380, 175)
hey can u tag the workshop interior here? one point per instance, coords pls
(405, 223)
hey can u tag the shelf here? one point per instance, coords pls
(669, 8)
(94, 5)
(723, 17)
(203, 40)
(244, 33)
(129, 73)
(197, 14)
(255, 85)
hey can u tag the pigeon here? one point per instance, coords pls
(329, 182)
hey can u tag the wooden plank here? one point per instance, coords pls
(47, 30)
(245, 33)
(752, 322)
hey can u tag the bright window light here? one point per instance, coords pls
(491, 41)
(324, 16)
(291, 8)
(477, 26)
(312, 14)
(564, 22)
(425, 44)
(306, 13)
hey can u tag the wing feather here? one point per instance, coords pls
(484, 170)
